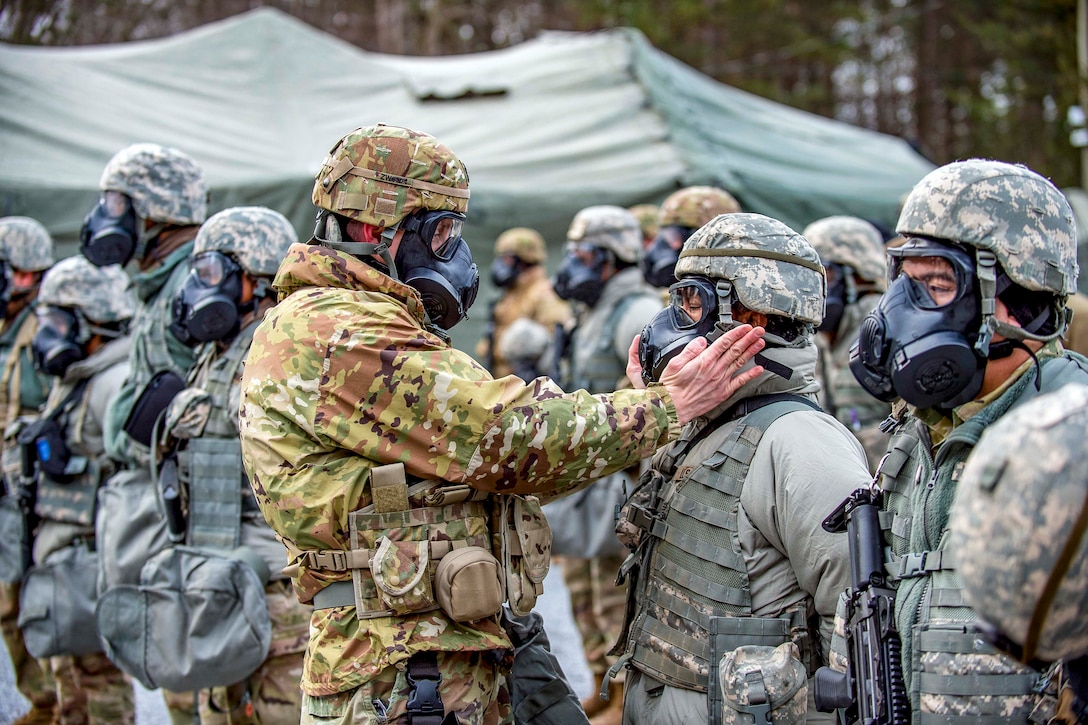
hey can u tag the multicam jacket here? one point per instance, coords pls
(343, 376)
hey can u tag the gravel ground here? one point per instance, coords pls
(554, 607)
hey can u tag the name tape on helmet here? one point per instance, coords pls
(343, 166)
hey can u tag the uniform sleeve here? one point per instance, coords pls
(806, 464)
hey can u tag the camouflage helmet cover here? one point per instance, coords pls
(694, 206)
(380, 174)
(101, 293)
(256, 236)
(522, 242)
(851, 241)
(165, 185)
(773, 269)
(647, 218)
(1008, 209)
(25, 244)
(1015, 515)
(608, 227)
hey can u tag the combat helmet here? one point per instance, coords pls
(608, 227)
(1017, 526)
(694, 206)
(772, 269)
(851, 242)
(25, 244)
(1010, 215)
(647, 219)
(522, 242)
(100, 293)
(164, 184)
(255, 236)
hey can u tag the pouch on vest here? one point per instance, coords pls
(198, 619)
(44, 440)
(539, 691)
(153, 400)
(130, 526)
(14, 539)
(526, 549)
(468, 584)
(583, 524)
(56, 604)
(763, 685)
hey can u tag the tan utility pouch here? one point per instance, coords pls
(526, 549)
(468, 584)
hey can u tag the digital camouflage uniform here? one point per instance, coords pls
(345, 374)
(739, 499)
(1026, 224)
(206, 416)
(90, 688)
(24, 244)
(1017, 524)
(167, 188)
(529, 297)
(857, 248)
(598, 360)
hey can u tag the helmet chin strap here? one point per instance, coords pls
(986, 264)
(329, 234)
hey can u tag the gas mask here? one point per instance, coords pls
(505, 270)
(580, 275)
(919, 343)
(659, 261)
(435, 260)
(841, 292)
(5, 289)
(57, 344)
(109, 232)
(692, 313)
(206, 306)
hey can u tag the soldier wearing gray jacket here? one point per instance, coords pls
(728, 550)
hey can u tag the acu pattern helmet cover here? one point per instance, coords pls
(522, 242)
(257, 237)
(380, 174)
(773, 269)
(1008, 209)
(165, 185)
(850, 241)
(608, 227)
(694, 206)
(25, 244)
(1017, 525)
(101, 293)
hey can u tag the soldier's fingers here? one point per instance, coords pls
(634, 367)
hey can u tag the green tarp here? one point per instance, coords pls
(545, 128)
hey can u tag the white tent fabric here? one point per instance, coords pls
(545, 128)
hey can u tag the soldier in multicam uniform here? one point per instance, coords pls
(852, 252)
(527, 294)
(725, 526)
(228, 291)
(351, 391)
(967, 330)
(1018, 527)
(83, 313)
(600, 274)
(153, 200)
(26, 251)
(680, 215)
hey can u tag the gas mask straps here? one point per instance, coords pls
(434, 259)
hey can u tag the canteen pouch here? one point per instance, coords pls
(14, 539)
(130, 527)
(154, 399)
(197, 619)
(468, 584)
(763, 684)
(527, 551)
(401, 571)
(56, 604)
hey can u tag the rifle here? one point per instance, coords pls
(872, 690)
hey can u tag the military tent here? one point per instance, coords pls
(546, 127)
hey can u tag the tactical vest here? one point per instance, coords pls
(150, 329)
(72, 500)
(692, 596)
(23, 390)
(947, 664)
(219, 492)
(600, 372)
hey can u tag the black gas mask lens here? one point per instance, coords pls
(205, 307)
(109, 232)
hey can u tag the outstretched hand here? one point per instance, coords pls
(704, 375)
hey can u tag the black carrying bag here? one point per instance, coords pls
(153, 400)
(539, 691)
